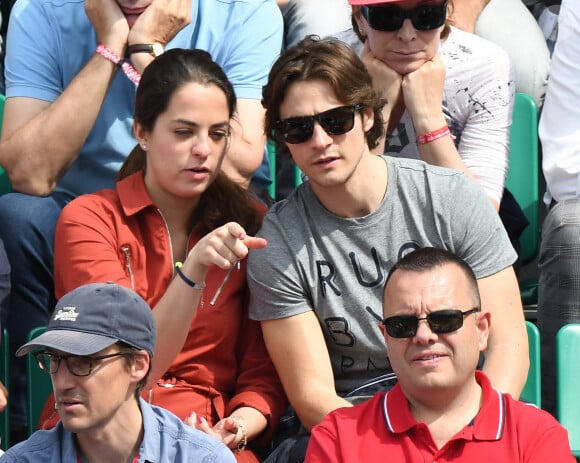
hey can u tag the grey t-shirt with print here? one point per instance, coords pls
(337, 266)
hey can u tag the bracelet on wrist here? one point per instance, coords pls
(434, 135)
(186, 280)
(125, 66)
(242, 444)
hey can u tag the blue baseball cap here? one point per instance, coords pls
(95, 316)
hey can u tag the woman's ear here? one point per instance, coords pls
(359, 23)
(140, 133)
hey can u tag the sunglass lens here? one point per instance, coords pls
(402, 326)
(296, 130)
(337, 121)
(429, 17)
(385, 18)
(445, 321)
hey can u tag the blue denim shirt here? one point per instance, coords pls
(165, 438)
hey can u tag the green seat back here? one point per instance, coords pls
(4, 377)
(533, 388)
(568, 382)
(38, 385)
(523, 173)
(271, 147)
(5, 185)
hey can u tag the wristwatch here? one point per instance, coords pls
(154, 49)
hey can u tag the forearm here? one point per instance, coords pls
(464, 13)
(313, 407)
(242, 161)
(173, 316)
(253, 422)
(299, 353)
(442, 152)
(507, 363)
(247, 141)
(37, 153)
(506, 357)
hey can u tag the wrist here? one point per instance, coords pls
(197, 282)
(115, 45)
(109, 55)
(243, 441)
(153, 49)
(429, 137)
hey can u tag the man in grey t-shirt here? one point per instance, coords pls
(317, 287)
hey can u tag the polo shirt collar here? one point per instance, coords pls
(488, 425)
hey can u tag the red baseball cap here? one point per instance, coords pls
(372, 2)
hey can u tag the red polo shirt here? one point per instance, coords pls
(383, 429)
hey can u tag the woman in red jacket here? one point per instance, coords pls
(177, 230)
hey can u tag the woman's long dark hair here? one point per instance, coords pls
(224, 200)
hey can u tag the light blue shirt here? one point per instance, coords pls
(165, 439)
(50, 41)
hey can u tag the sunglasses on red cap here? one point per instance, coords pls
(389, 18)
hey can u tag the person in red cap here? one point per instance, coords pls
(450, 93)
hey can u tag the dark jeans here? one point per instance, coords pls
(27, 229)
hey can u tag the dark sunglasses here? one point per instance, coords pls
(440, 322)
(389, 18)
(335, 121)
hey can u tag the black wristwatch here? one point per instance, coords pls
(154, 49)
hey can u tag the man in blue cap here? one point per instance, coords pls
(98, 348)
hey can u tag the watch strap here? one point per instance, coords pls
(140, 48)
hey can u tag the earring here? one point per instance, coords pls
(144, 146)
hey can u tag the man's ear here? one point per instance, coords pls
(383, 332)
(140, 366)
(483, 325)
(368, 119)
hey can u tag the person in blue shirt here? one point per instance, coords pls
(68, 118)
(98, 348)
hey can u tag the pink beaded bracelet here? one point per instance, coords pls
(432, 136)
(127, 67)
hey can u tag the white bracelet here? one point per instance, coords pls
(242, 444)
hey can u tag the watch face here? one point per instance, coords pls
(157, 49)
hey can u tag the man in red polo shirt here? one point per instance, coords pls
(442, 409)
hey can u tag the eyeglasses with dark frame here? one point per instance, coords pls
(78, 365)
(335, 121)
(440, 322)
(389, 18)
